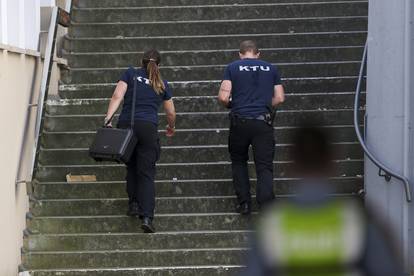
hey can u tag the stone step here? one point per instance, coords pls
(108, 207)
(76, 139)
(125, 224)
(213, 120)
(188, 154)
(207, 104)
(210, 57)
(221, 270)
(114, 190)
(119, 206)
(216, 42)
(210, 88)
(219, 27)
(136, 241)
(169, 3)
(224, 12)
(214, 72)
(131, 258)
(182, 171)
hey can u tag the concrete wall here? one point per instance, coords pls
(17, 79)
(390, 113)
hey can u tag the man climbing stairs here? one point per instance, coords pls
(81, 228)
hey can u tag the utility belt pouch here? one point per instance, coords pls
(268, 118)
(271, 115)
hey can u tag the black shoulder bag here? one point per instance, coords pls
(115, 144)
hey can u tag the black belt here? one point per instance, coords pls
(267, 118)
(259, 118)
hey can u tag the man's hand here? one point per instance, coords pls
(170, 131)
(278, 95)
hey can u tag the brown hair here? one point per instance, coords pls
(248, 46)
(151, 61)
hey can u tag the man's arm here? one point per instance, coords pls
(225, 93)
(278, 95)
(169, 109)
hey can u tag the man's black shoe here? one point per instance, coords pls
(133, 209)
(147, 225)
(243, 209)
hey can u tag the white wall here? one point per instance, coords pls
(32, 15)
(3, 22)
(390, 111)
(19, 58)
(47, 3)
(16, 79)
(20, 23)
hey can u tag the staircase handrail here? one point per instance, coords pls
(389, 173)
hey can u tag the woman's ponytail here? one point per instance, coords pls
(150, 62)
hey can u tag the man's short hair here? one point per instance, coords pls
(248, 46)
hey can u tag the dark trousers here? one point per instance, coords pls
(141, 168)
(258, 134)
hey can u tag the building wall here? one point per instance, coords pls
(20, 76)
(17, 78)
(390, 112)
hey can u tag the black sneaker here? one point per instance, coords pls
(133, 209)
(147, 225)
(243, 209)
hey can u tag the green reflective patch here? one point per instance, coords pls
(312, 237)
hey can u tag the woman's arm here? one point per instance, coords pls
(116, 100)
(170, 112)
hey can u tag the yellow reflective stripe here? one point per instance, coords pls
(312, 237)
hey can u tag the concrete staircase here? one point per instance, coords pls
(82, 229)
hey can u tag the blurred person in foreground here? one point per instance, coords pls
(314, 233)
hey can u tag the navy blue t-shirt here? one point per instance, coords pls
(253, 82)
(147, 100)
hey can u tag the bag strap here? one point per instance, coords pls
(134, 98)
